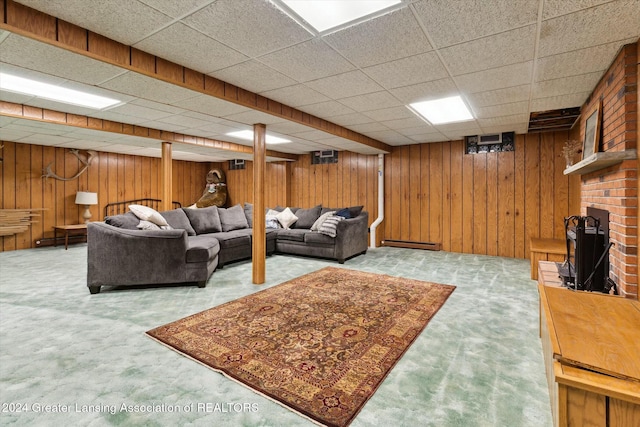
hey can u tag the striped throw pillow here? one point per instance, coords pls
(330, 225)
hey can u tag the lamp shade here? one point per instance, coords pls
(86, 198)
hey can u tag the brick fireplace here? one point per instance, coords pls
(615, 187)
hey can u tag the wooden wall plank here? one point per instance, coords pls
(405, 232)
(479, 203)
(457, 154)
(532, 188)
(547, 190)
(9, 188)
(519, 199)
(506, 204)
(417, 213)
(435, 193)
(492, 204)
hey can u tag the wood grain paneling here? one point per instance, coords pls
(115, 177)
(489, 204)
(240, 183)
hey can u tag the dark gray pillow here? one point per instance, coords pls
(176, 218)
(233, 218)
(248, 212)
(204, 220)
(127, 220)
(306, 217)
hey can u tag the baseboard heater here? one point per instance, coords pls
(412, 245)
(50, 241)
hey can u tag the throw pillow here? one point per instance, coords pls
(145, 213)
(233, 218)
(286, 218)
(355, 210)
(127, 221)
(204, 220)
(272, 222)
(316, 225)
(177, 219)
(330, 226)
(306, 217)
(248, 212)
(344, 213)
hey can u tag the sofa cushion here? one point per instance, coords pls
(204, 220)
(319, 239)
(355, 210)
(286, 218)
(344, 213)
(316, 225)
(293, 235)
(233, 218)
(306, 217)
(127, 221)
(231, 239)
(145, 213)
(202, 248)
(178, 220)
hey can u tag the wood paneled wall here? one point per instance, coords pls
(115, 177)
(240, 183)
(489, 204)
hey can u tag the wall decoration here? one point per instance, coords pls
(477, 144)
(91, 155)
(592, 132)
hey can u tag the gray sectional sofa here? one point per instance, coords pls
(196, 242)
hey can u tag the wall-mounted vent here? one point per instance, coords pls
(490, 143)
(236, 164)
(494, 138)
(323, 157)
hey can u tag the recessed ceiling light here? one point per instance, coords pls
(441, 111)
(248, 135)
(325, 15)
(17, 84)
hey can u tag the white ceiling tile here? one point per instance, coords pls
(431, 137)
(495, 78)
(499, 96)
(408, 71)
(55, 61)
(252, 117)
(566, 85)
(466, 126)
(491, 52)
(386, 38)
(177, 9)
(368, 127)
(390, 137)
(344, 85)
(327, 109)
(16, 98)
(557, 102)
(137, 111)
(42, 139)
(158, 106)
(296, 95)
(553, 8)
(164, 125)
(412, 122)
(386, 114)
(206, 104)
(309, 60)
(287, 127)
(503, 121)
(452, 22)
(426, 91)
(149, 88)
(521, 127)
(587, 28)
(350, 119)
(371, 101)
(251, 27)
(168, 43)
(123, 20)
(581, 61)
(511, 108)
(115, 116)
(254, 76)
(185, 121)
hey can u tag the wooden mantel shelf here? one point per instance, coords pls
(599, 161)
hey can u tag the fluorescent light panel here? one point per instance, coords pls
(25, 86)
(248, 135)
(444, 110)
(324, 15)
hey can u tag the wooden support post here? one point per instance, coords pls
(166, 177)
(259, 248)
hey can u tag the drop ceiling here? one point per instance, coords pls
(507, 59)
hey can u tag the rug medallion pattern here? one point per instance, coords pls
(320, 344)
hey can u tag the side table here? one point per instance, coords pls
(79, 229)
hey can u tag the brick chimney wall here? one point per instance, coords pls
(616, 188)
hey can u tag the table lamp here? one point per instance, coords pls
(87, 199)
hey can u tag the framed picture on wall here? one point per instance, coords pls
(591, 132)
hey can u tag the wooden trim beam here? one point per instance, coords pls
(258, 250)
(39, 26)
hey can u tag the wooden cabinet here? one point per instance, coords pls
(591, 347)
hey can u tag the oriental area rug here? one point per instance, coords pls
(320, 344)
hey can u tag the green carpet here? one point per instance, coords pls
(478, 363)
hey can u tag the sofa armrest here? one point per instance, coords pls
(352, 236)
(117, 256)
